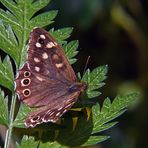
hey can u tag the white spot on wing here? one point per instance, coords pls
(32, 120)
(51, 113)
(38, 44)
(42, 36)
(64, 111)
(59, 65)
(45, 55)
(37, 68)
(67, 106)
(58, 114)
(36, 60)
(60, 108)
(51, 120)
(55, 43)
(43, 120)
(50, 45)
(39, 78)
(31, 125)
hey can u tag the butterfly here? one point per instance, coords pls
(46, 81)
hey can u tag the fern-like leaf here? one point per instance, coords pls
(93, 140)
(3, 109)
(27, 142)
(110, 111)
(61, 34)
(94, 80)
(71, 51)
(6, 74)
(8, 42)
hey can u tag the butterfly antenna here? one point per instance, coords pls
(86, 65)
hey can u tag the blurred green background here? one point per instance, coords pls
(113, 32)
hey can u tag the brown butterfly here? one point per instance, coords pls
(47, 81)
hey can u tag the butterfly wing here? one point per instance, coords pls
(38, 90)
(46, 57)
(46, 81)
(48, 114)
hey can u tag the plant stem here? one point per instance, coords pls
(11, 117)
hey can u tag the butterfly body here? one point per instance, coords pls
(47, 81)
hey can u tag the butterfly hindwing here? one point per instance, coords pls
(48, 114)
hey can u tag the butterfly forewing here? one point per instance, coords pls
(47, 81)
(46, 57)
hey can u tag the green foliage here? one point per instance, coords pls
(3, 109)
(70, 51)
(6, 73)
(110, 111)
(95, 80)
(61, 34)
(27, 142)
(8, 42)
(15, 25)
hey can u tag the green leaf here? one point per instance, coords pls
(36, 6)
(6, 74)
(3, 109)
(93, 140)
(51, 145)
(61, 34)
(104, 127)
(9, 18)
(110, 111)
(71, 50)
(11, 5)
(8, 42)
(43, 19)
(93, 94)
(94, 80)
(27, 142)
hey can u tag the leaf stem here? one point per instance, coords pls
(11, 118)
